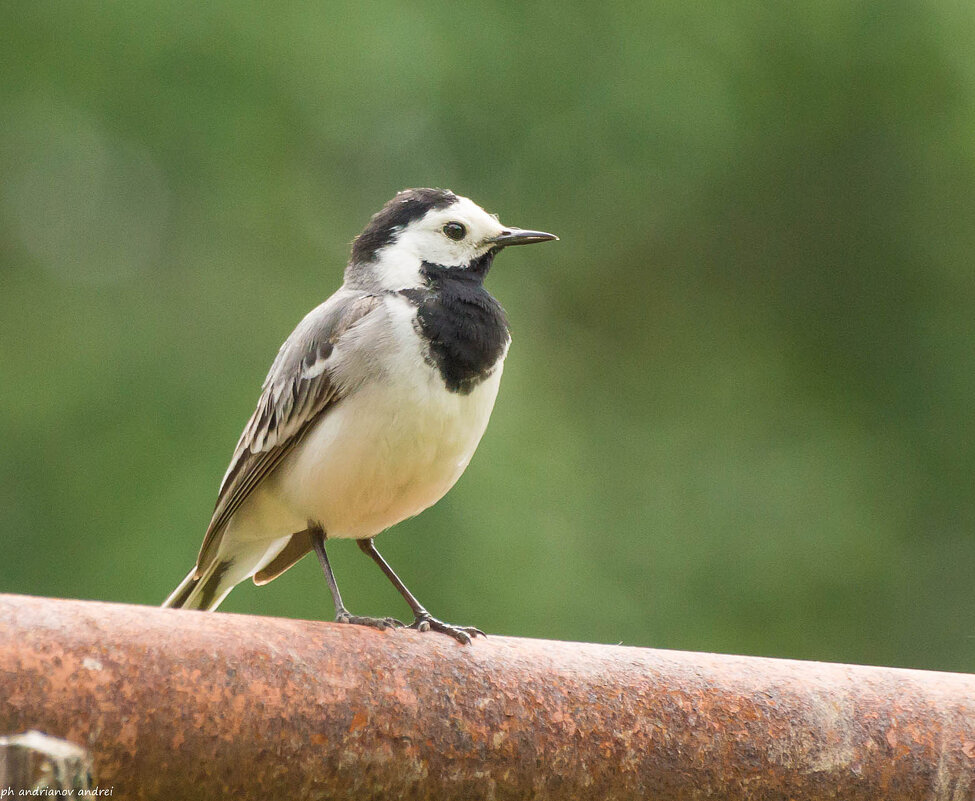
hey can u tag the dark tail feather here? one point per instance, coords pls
(204, 592)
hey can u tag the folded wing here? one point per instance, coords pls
(300, 387)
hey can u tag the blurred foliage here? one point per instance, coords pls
(738, 411)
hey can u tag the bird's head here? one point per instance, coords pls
(433, 227)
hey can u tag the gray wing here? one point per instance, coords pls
(300, 387)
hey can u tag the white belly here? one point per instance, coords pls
(385, 454)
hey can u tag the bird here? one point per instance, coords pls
(373, 407)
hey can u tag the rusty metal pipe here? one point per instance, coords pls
(186, 705)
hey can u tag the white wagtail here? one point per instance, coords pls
(373, 407)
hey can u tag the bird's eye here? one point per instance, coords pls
(455, 231)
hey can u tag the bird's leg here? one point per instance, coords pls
(422, 619)
(342, 615)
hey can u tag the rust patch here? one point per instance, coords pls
(177, 704)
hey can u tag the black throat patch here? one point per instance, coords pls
(465, 328)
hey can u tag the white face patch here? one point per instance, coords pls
(427, 239)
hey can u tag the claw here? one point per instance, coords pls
(462, 634)
(381, 623)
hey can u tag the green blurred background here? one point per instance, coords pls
(739, 411)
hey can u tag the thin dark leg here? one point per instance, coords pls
(318, 543)
(342, 615)
(422, 619)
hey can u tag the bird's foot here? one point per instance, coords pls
(381, 623)
(462, 634)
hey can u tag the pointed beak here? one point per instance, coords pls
(519, 236)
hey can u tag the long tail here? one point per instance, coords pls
(205, 592)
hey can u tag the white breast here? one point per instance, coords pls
(394, 446)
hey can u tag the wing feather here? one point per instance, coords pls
(298, 390)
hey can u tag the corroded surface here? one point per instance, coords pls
(186, 705)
